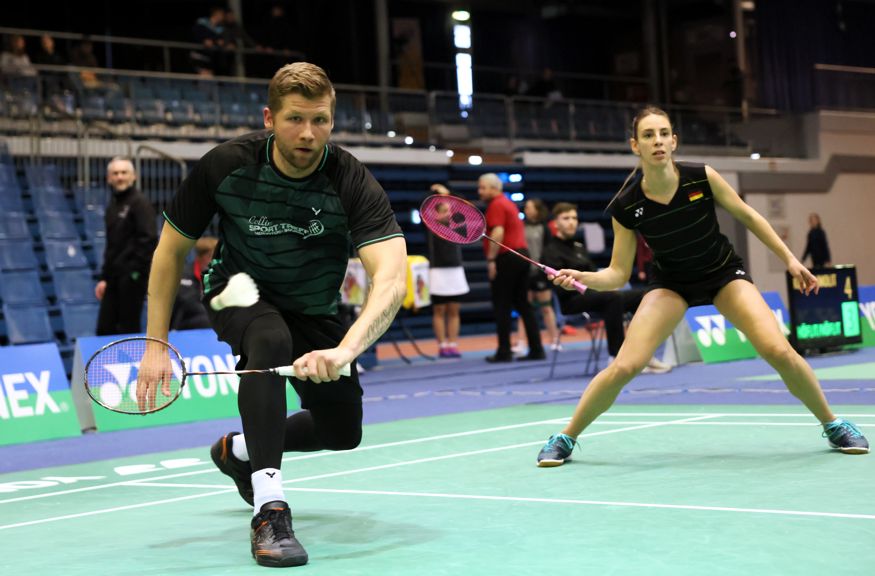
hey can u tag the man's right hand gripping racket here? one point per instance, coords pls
(457, 220)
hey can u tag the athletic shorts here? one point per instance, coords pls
(308, 333)
(702, 292)
(438, 299)
(538, 282)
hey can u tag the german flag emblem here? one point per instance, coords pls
(695, 195)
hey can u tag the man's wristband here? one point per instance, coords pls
(490, 259)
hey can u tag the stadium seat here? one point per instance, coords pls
(57, 225)
(50, 200)
(95, 225)
(65, 254)
(17, 255)
(21, 287)
(79, 319)
(13, 226)
(10, 197)
(74, 285)
(28, 324)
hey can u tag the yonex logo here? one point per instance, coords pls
(271, 474)
(315, 211)
(739, 272)
(639, 212)
(15, 398)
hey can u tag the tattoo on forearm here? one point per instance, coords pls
(381, 324)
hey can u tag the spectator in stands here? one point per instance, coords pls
(47, 54)
(564, 252)
(545, 86)
(673, 204)
(508, 274)
(14, 60)
(816, 245)
(540, 290)
(130, 240)
(188, 310)
(236, 37)
(208, 31)
(448, 284)
(82, 55)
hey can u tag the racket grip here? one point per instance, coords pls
(289, 371)
(577, 285)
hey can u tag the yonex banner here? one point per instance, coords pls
(867, 314)
(203, 397)
(35, 399)
(719, 341)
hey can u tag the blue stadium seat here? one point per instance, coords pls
(65, 254)
(42, 176)
(28, 324)
(57, 225)
(90, 197)
(74, 285)
(98, 247)
(10, 197)
(95, 226)
(21, 287)
(13, 226)
(17, 255)
(80, 319)
(50, 200)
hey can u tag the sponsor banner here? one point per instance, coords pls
(418, 283)
(203, 397)
(35, 399)
(355, 283)
(719, 341)
(867, 315)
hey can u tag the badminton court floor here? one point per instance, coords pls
(651, 490)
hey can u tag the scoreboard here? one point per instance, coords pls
(830, 318)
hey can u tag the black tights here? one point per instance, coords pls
(262, 403)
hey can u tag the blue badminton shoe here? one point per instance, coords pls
(273, 540)
(556, 451)
(238, 470)
(845, 437)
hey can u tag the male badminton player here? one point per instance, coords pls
(288, 202)
(672, 204)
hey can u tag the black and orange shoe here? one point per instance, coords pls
(273, 540)
(229, 465)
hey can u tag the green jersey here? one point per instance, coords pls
(291, 235)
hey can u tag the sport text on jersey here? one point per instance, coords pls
(262, 226)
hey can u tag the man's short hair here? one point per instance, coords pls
(491, 179)
(308, 80)
(121, 159)
(563, 207)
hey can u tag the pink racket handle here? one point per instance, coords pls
(553, 272)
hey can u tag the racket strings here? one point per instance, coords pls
(112, 376)
(453, 219)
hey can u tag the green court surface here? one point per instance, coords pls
(652, 490)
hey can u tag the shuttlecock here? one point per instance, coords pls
(241, 290)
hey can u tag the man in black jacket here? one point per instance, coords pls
(563, 251)
(131, 238)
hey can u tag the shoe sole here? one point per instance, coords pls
(854, 450)
(552, 463)
(266, 558)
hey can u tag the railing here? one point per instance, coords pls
(844, 87)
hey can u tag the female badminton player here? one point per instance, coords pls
(672, 204)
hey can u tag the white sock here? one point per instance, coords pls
(238, 448)
(267, 485)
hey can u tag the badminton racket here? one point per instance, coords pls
(112, 375)
(460, 222)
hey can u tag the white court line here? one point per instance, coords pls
(590, 503)
(320, 476)
(739, 414)
(325, 454)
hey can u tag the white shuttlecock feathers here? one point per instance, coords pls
(241, 290)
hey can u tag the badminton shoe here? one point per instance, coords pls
(273, 540)
(844, 436)
(556, 451)
(654, 366)
(229, 465)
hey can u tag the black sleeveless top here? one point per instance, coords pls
(683, 234)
